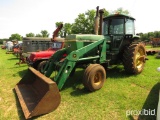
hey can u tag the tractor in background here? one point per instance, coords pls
(114, 42)
(32, 44)
(35, 51)
(39, 59)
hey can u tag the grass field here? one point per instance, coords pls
(120, 95)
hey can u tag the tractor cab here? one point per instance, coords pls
(119, 32)
(118, 27)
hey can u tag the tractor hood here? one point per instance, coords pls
(44, 53)
(77, 41)
(41, 55)
(84, 37)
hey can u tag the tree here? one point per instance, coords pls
(15, 36)
(30, 34)
(143, 36)
(38, 35)
(121, 11)
(44, 33)
(150, 35)
(84, 23)
(106, 13)
(67, 29)
(157, 34)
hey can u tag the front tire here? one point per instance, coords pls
(94, 77)
(41, 66)
(134, 58)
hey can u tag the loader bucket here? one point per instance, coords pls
(37, 94)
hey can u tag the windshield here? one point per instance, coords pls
(114, 26)
(56, 45)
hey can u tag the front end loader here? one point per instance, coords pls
(117, 43)
(37, 94)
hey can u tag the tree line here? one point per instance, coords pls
(84, 24)
(149, 35)
(43, 33)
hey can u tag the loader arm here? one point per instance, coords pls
(76, 56)
(49, 67)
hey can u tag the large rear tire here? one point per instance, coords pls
(94, 77)
(134, 58)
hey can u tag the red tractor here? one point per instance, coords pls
(39, 59)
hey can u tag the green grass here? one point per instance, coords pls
(121, 92)
(149, 47)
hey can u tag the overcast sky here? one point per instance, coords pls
(25, 16)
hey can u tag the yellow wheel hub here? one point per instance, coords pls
(97, 78)
(139, 59)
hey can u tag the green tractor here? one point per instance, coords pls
(116, 43)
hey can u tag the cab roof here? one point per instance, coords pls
(118, 16)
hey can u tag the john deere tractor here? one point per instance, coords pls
(114, 42)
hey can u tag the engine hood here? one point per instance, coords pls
(43, 53)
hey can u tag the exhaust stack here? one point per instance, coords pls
(101, 20)
(96, 21)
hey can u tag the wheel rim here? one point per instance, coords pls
(41, 69)
(139, 59)
(98, 78)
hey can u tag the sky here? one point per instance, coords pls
(25, 16)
